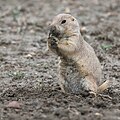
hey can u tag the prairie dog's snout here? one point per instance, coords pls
(54, 31)
(52, 28)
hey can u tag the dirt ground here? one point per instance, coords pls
(30, 77)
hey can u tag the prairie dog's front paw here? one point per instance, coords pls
(54, 42)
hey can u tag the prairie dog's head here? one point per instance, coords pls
(64, 25)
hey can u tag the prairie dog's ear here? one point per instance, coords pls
(72, 19)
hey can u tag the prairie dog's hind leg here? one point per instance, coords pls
(88, 86)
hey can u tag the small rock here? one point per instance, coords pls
(29, 56)
(14, 104)
(67, 10)
(98, 114)
(83, 29)
(32, 31)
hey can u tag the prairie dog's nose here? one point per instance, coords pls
(53, 28)
(54, 31)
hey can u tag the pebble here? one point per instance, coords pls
(14, 104)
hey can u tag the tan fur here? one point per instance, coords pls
(75, 51)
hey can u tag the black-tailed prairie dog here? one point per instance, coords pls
(79, 67)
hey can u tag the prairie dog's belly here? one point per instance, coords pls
(72, 78)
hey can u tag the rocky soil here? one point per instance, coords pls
(28, 78)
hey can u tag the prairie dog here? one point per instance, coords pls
(79, 67)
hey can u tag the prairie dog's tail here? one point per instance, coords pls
(103, 87)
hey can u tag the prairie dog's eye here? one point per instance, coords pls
(64, 21)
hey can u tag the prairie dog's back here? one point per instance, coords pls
(88, 61)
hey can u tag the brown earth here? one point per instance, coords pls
(30, 77)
